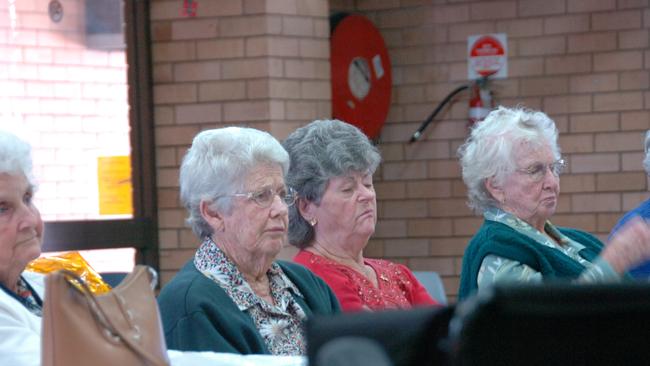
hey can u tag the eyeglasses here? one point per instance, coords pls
(264, 198)
(537, 172)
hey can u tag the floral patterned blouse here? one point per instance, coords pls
(496, 269)
(397, 287)
(280, 324)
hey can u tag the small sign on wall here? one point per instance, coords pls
(189, 8)
(487, 55)
(114, 183)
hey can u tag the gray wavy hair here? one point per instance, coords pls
(646, 160)
(488, 151)
(218, 164)
(319, 151)
(15, 156)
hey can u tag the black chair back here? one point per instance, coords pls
(394, 337)
(556, 324)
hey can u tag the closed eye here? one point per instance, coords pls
(263, 195)
(535, 169)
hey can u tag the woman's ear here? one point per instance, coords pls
(212, 217)
(495, 190)
(305, 208)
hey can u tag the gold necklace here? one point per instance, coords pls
(365, 270)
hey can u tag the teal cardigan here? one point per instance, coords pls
(501, 240)
(198, 315)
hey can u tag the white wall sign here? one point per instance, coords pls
(487, 54)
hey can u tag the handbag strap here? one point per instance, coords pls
(105, 321)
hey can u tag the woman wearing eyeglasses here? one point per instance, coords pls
(332, 164)
(511, 165)
(233, 296)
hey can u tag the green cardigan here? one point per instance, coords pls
(198, 315)
(503, 241)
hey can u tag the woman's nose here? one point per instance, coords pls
(29, 217)
(279, 206)
(551, 179)
(366, 193)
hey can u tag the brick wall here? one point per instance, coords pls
(265, 64)
(585, 63)
(259, 63)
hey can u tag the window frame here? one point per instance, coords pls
(141, 231)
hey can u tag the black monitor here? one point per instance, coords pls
(393, 337)
(554, 324)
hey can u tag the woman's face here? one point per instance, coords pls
(21, 227)
(348, 209)
(531, 191)
(251, 231)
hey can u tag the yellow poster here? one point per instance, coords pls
(114, 183)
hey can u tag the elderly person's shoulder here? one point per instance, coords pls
(187, 280)
(190, 289)
(491, 229)
(313, 287)
(293, 269)
(190, 279)
(581, 237)
(192, 304)
(36, 281)
(185, 295)
(495, 236)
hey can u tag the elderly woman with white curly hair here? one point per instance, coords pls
(511, 164)
(642, 271)
(233, 296)
(21, 236)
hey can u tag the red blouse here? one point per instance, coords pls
(397, 287)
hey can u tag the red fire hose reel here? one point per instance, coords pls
(361, 74)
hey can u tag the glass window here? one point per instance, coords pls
(68, 97)
(64, 87)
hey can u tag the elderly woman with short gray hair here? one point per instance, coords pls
(233, 296)
(511, 165)
(332, 164)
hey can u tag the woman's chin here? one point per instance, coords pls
(545, 215)
(550, 208)
(28, 256)
(366, 233)
(273, 247)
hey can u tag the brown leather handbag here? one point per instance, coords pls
(121, 327)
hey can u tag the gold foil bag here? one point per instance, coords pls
(73, 262)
